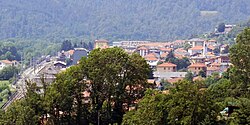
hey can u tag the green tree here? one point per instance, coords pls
(66, 45)
(240, 58)
(8, 72)
(151, 110)
(113, 75)
(189, 76)
(181, 63)
(190, 105)
(65, 95)
(202, 73)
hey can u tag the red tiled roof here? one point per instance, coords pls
(165, 49)
(142, 48)
(180, 50)
(197, 65)
(151, 58)
(211, 47)
(215, 64)
(163, 55)
(167, 64)
(179, 56)
(71, 52)
(150, 55)
(197, 48)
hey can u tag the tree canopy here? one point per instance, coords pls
(149, 20)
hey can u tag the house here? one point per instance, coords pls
(152, 59)
(78, 54)
(224, 48)
(196, 42)
(164, 55)
(59, 64)
(165, 50)
(5, 63)
(181, 51)
(195, 50)
(143, 51)
(195, 68)
(101, 44)
(197, 59)
(211, 42)
(166, 67)
(224, 58)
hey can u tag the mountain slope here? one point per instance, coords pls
(117, 19)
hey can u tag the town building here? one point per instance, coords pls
(5, 63)
(166, 67)
(78, 54)
(103, 44)
(195, 68)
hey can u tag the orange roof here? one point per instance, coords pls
(179, 56)
(211, 47)
(180, 50)
(151, 58)
(6, 61)
(71, 52)
(167, 64)
(213, 68)
(163, 55)
(150, 55)
(197, 48)
(142, 48)
(197, 65)
(215, 64)
(165, 49)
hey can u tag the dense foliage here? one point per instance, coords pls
(182, 63)
(4, 91)
(117, 19)
(112, 80)
(191, 102)
(8, 72)
(9, 51)
(116, 83)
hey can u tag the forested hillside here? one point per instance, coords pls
(116, 19)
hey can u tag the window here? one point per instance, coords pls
(164, 68)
